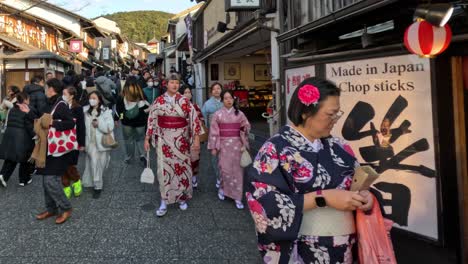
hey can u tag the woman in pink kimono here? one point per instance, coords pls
(228, 138)
(173, 128)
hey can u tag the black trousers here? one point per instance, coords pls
(25, 170)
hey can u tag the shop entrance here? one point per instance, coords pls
(249, 77)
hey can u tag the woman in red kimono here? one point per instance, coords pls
(194, 154)
(228, 138)
(173, 128)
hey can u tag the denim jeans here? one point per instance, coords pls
(134, 138)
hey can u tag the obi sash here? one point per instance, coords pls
(172, 122)
(229, 129)
(327, 221)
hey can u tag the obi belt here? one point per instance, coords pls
(229, 129)
(172, 122)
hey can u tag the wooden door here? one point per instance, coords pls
(16, 78)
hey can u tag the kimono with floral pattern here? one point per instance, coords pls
(229, 149)
(195, 154)
(285, 168)
(173, 146)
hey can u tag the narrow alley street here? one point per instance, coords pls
(121, 226)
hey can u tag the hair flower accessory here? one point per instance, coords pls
(309, 94)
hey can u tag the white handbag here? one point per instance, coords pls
(147, 176)
(246, 160)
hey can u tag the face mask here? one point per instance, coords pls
(150, 84)
(65, 98)
(156, 83)
(93, 102)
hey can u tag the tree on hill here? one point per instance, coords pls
(141, 26)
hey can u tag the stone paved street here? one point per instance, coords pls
(121, 226)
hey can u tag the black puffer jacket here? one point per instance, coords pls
(37, 97)
(17, 144)
(63, 120)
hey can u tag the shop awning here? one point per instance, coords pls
(237, 43)
(34, 54)
(182, 43)
(170, 51)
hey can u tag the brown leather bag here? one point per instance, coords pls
(108, 141)
(203, 137)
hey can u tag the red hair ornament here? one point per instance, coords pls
(309, 94)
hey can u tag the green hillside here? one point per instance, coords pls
(141, 26)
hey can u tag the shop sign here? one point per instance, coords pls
(387, 104)
(28, 32)
(205, 39)
(76, 46)
(113, 44)
(294, 77)
(105, 54)
(239, 5)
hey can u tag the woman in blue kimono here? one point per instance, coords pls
(209, 108)
(299, 193)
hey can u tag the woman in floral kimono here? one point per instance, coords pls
(228, 138)
(299, 193)
(194, 154)
(173, 126)
(209, 108)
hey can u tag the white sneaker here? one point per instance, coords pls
(183, 206)
(162, 210)
(194, 182)
(2, 181)
(239, 205)
(221, 195)
(218, 183)
(22, 184)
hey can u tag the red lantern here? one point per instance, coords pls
(426, 40)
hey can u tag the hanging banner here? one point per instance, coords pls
(113, 44)
(188, 24)
(76, 46)
(294, 77)
(388, 122)
(105, 54)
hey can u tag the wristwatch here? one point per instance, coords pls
(320, 200)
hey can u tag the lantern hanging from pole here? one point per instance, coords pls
(426, 40)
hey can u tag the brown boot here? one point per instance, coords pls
(44, 215)
(63, 217)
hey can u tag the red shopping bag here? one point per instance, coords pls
(374, 244)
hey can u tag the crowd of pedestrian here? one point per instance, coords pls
(301, 175)
(58, 119)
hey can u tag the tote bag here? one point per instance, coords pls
(60, 143)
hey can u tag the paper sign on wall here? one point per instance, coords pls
(388, 123)
(294, 77)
